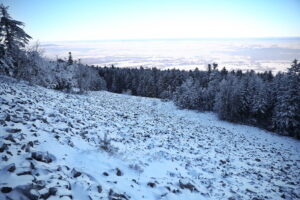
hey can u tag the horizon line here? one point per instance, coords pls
(157, 39)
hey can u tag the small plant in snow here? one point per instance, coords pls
(137, 168)
(105, 144)
(154, 103)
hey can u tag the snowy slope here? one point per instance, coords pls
(51, 147)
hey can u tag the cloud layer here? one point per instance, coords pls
(256, 54)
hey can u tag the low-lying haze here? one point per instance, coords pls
(274, 54)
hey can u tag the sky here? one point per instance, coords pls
(73, 20)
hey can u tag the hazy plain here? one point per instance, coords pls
(261, 54)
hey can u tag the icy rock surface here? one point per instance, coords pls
(109, 146)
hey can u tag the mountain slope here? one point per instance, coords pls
(109, 146)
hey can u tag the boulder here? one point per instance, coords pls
(6, 189)
(183, 184)
(11, 167)
(42, 156)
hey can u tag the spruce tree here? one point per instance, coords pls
(286, 118)
(13, 37)
(70, 59)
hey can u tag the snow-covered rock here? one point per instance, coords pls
(110, 146)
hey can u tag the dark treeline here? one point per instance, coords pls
(143, 82)
(260, 99)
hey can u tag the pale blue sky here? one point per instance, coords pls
(57, 20)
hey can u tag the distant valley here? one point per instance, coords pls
(274, 54)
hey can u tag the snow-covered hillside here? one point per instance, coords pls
(53, 146)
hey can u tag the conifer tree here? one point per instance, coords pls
(70, 59)
(13, 37)
(286, 118)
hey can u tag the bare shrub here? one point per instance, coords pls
(105, 144)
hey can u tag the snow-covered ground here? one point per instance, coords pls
(52, 146)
